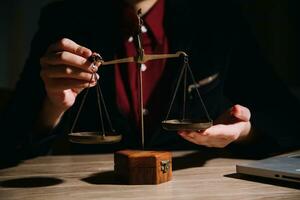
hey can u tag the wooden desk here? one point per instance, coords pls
(195, 176)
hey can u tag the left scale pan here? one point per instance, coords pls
(94, 138)
(101, 136)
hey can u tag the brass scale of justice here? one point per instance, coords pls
(103, 137)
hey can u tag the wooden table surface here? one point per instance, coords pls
(195, 176)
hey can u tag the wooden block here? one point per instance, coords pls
(137, 167)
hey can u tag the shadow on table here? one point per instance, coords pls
(102, 178)
(195, 159)
(30, 182)
(264, 180)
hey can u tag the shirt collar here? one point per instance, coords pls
(152, 20)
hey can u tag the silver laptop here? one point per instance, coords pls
(283, 167)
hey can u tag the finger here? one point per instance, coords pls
(241, 112)
(202, 132)
(235, 114)
(64, 84)
(66, 44)
(188, 137)
(68, 72)
(225, 118)
(224, 132)
(194, 137)
(216, 136)
(67, 58)
(77, 90)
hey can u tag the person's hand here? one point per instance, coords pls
(233, 125)
(66, 71)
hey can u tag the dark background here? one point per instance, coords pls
(274, 22)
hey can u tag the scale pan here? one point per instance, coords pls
(186, 124)
(94, 138)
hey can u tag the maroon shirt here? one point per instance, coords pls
(126, 76)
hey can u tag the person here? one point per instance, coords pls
(252, 110)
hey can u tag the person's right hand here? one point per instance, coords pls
(66, 71)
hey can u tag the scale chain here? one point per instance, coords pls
(194, 81)
(100, 110)
(184, 93)
(81, 105)
(183, 72)
(105, 109)
(175, 92)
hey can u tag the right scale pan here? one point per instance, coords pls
(186, 125)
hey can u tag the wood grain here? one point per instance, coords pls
(196, 175)
(142, 167)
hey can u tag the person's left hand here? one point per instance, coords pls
(233, 125)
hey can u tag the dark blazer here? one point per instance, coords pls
(218, 42)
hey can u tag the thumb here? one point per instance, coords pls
(240, 112)
(235, 114)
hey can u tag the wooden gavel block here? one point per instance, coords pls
(137, 167)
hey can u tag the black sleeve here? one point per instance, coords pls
(252, 82)
(17, 121)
